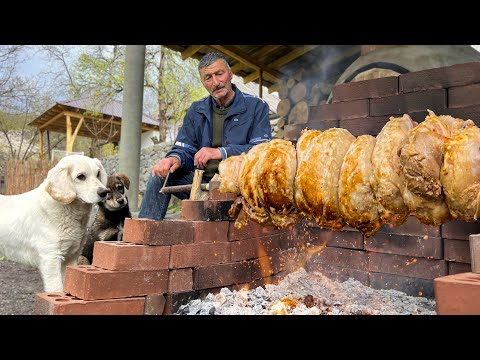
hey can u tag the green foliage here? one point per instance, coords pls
(175, 205)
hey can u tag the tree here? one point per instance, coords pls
(21, 100)
(174, 83)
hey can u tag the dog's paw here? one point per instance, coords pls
(82, 260)
(120, 235)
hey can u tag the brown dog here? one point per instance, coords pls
(110, 218)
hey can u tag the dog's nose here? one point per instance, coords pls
(102, 193)
(120, 201)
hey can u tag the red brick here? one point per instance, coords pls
(443, 77)
(175, 300)
(412, 286)
(151, 232)
(457, 250)
(435, 100)
(215, 194)
(62, 304)
(341, 239)
(365, 89)
(206, 210)
(371, 125)
(418, 246)
(210, 231)
(467, 112)
(252, 230)
(411, 227)
(339, 111)
(119, 255)
(261, 267)
(92, 283)
(457, 268)
(154, 304)
(458, 294)
(293, 132)
(255, 247)
(203, 254)
(221, 275)
(180, 280)
(406, 265)
(474, 244)
(459, 230)
(461, 96)
(337, 273)
(351, 259)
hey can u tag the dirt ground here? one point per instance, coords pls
(18, 286)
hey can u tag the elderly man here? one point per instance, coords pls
(225, 123)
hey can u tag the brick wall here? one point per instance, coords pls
(410, 256)
(160, 265)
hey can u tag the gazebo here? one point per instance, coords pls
(70, 117)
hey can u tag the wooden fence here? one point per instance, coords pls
(25, 175)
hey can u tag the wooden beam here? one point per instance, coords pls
(188, 52)
(59, 115)
(257, 54)
(247, 60)
(292, 55)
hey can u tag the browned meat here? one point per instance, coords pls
(388, 177)
(358, 205)
(229, 171)
(421, 160)
(267, 184)
(318, 174)
(303, 144)
(460, 173)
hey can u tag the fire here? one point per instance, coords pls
(411, 261)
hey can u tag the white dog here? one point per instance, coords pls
(45, 227)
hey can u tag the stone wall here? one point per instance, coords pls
(148, 157)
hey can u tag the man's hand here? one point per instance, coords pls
(161, 168)
(205, 154)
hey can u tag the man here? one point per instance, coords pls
(225, 123)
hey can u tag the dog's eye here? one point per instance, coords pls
(98, 175)
(81, 177)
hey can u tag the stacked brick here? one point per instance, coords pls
(160, 265)
(410, 256)
(364, 107)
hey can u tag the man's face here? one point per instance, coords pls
(217, 79)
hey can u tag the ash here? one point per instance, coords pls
(302, 293)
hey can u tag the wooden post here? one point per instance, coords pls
(196, 191)
(69, 144)
(40, 144)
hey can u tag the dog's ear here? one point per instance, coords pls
(123, 178)
(60, 185)
(103, 173)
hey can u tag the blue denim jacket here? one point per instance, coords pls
(246, 124)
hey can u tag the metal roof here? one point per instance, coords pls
(54, 119)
